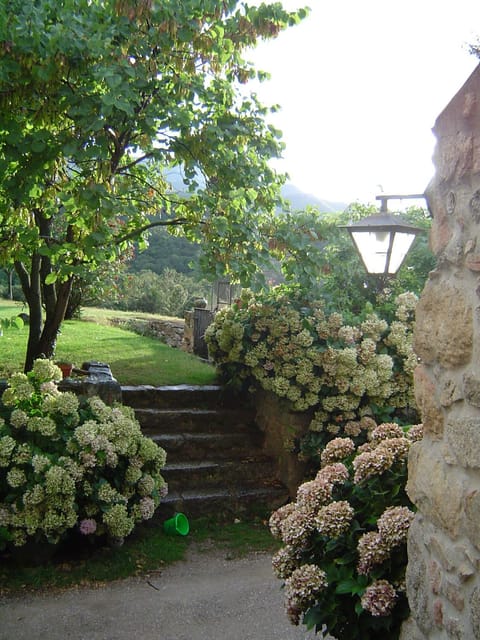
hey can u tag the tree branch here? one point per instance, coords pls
(159, 223)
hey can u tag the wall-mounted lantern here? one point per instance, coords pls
(383, 239)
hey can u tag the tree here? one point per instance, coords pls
(98, 98)
(317, 254)
(169, 293)
(344, 283)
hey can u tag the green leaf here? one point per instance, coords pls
(18, 322)
(51, 278)
(346, 586)
(358, 608)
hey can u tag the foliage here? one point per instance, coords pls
(344, 553)
(67, 465)
(95, 285)
(287, 344)
(169, 293)
(166, 251)
(99, 98)
(7, 323)
(9, 285)
(342, 281)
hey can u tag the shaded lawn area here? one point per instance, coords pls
(133, 359)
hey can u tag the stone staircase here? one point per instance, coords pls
(215, 463)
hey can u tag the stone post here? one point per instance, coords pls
(443, 579)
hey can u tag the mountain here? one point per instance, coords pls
(299, 200)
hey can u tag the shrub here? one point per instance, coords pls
(344, 554)
(68, 465)
(338, 370)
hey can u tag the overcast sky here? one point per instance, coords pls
(361, 83)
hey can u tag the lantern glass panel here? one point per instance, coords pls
(373, 247)
(401, 244)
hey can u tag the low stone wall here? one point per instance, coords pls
(168, 331)
(282, 428)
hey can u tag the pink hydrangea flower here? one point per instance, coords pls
(87, 526)
(379, 598)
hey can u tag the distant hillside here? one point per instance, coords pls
(177, 253)
(299, 200)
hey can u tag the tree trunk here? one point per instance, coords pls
(9, 273)
(53, 298)
(32, 291)
(55, 314)
(42, 336)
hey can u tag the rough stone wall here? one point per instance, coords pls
(168, 331)
(282, 428)
(443, 579)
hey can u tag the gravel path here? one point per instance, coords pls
(205, 597)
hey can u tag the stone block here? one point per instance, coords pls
(438, 613)
(425, 397)
(471, 389)
(410, 631)
(453, 593)
(472, 262)
(435, 577)
(441, 230)
(473, 556)
(429, 481)
(472, 516)
(463, 437)
(450, 392)
(475, 612)
(453, 558)
(453, 157)
(453, 627)
(418, 587)
(437, 338)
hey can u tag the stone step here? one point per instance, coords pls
(215, 463)
(184, 420)
(203, 502)
(201, 446)
(181, 396)
(247, 472)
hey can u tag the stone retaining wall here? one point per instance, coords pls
(168, 331)
(282, 428)
(443, 579)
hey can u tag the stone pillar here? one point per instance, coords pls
(443, 578)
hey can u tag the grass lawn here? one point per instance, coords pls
(133, 359)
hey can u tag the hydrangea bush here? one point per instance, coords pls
(66, 465)
(344, 555)
(338, 370)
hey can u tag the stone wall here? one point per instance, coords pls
(282, 428)
(168, 331)
(443, 579)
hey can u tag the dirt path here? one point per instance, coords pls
(205, 597)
